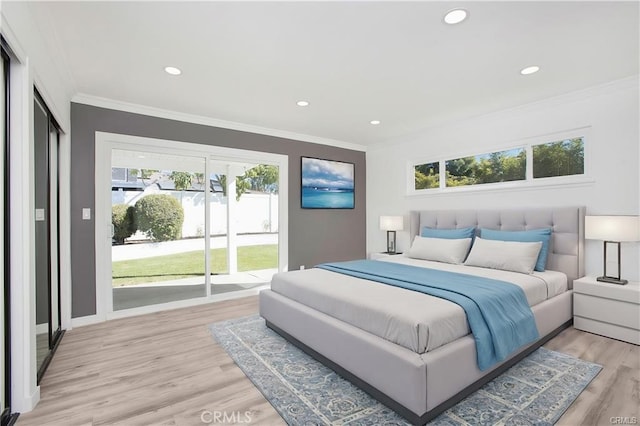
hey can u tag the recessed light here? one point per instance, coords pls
(455, 16)
(375, 122)
(172, 70)
(530, 70)
(302, 103)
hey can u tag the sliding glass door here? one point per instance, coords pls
(159, 209)
(158, 219)
(177, 225)
(48, 320)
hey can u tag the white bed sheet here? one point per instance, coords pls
(411, 319)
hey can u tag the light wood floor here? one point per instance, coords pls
(165, 369)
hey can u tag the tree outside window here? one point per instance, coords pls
(500, 166)
(562, 158)
(427, 175)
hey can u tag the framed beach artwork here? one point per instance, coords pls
(327, 184)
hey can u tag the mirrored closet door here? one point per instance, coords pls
(5, 371)
(46, 143)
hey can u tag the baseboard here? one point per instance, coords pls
(88, 320)
(27, 404)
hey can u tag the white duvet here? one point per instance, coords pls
(411, 319)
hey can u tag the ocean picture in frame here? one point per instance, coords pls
(327, 184)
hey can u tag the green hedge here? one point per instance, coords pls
(160, 217)
(124, 223)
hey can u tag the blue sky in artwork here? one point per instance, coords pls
(326, 174)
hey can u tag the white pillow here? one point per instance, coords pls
(506, 255)
(440, 249)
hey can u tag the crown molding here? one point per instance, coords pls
(623, 84)
(82, 98)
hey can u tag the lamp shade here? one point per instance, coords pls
(391, 223)
(612, 228)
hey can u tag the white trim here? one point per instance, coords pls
(102, 227)
(9, 35)
(64, 155)
(125, 313)
(95, 319)
(42, 328)
(207, 231)
(104, 144)
(232, 237)
(83, 98)
(528, 183)
(28, 401)
(51, 105)
(283, 216)
(24, 391)
(626, 83)
(570, 182)
(88, 320)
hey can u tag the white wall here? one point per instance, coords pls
(611, 111)
(38, 64)
(46, 66)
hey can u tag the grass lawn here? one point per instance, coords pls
(190, 264)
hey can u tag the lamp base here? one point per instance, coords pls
(611, 280)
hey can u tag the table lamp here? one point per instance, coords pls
(391, 224)
(612, 230)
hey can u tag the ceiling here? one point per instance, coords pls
(397, 62)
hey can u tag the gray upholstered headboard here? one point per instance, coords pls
(566, 252)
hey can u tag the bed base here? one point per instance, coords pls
(326, 339)
(408, 415)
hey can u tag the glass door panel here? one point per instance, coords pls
(42, 237)
(158, 219)
(54, 291)
(243, 224)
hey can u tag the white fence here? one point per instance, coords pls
(255, 212)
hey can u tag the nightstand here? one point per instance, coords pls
(380, 256)
(610, 310)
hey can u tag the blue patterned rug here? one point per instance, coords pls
(537, 390)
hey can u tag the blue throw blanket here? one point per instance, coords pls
(498, 313)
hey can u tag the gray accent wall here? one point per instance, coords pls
(315, 236)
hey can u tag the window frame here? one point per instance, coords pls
(528, 182)
(413, 170)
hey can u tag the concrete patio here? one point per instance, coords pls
(134, 296)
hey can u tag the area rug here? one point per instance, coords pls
(537, 390)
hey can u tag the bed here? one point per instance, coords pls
(351, 324)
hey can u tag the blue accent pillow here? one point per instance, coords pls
(450, 234)
(542, 235)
